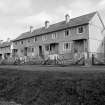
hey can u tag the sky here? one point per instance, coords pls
(16, 16)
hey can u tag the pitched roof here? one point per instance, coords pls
(23, 35)
(5, 44)
(84, 19)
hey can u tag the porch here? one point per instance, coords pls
(52, 48)
(80, 47)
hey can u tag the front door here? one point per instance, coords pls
(25, 51)
(40, 51)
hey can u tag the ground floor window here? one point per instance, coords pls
(67, 46)
(30, 49)
(47, 47)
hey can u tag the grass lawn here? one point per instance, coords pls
(44, 85)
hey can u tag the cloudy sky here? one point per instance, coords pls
(17, 15)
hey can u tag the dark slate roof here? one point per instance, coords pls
(5, 44)
(84, 19)
(23, 36)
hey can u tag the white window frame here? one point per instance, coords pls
(35, 39)
(78, 29)
(21, 42)
(54, 35)
(29, 40)
(69, 45)
(66, 32)
(44, 38)
(32, 49)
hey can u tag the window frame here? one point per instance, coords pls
(54, 35)
(44, 38)
(79, 28)
(67, 31)
(16, 43)
(69, 45)
(28, 40)
(35, 39)
(32, 49)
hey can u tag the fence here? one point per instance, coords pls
(60, 59)
(98, 58)
(66, 59)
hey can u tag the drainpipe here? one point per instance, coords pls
(104, 49)
(84, 53)
(49, 49)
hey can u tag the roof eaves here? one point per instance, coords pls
(48, 32)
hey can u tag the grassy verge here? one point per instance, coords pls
(52, 87)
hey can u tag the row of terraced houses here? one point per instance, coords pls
(83, 35)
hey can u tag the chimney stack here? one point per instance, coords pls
(67, 18)
(47, 24)
(1, 41)
(31, 27)
(8, 39)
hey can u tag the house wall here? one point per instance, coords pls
(4, 50)
(60, 39)
(96, 36)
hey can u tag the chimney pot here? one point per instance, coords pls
(31, 27)
(67, 18)
(47, 24)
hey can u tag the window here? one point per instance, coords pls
(15, 43)
(28, 40)
(15, 50)
(21, 42)
(102, 43)
(44, 38)
(67, 46)
(47, 47)
(35, 39)
(22, 51)
(80, 30)
(54, 36)
(29, 49)
(67, 32)
(32, 49)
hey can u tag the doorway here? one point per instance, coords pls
(25, 51)
(40, 51)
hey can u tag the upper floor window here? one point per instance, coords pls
(67, 46)
(54, 36)
(44, 38)
(15, 50)
(21, 42)
(80, 29)
(28, 40)
(67, 32)
(15, 43)
(35, 39)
